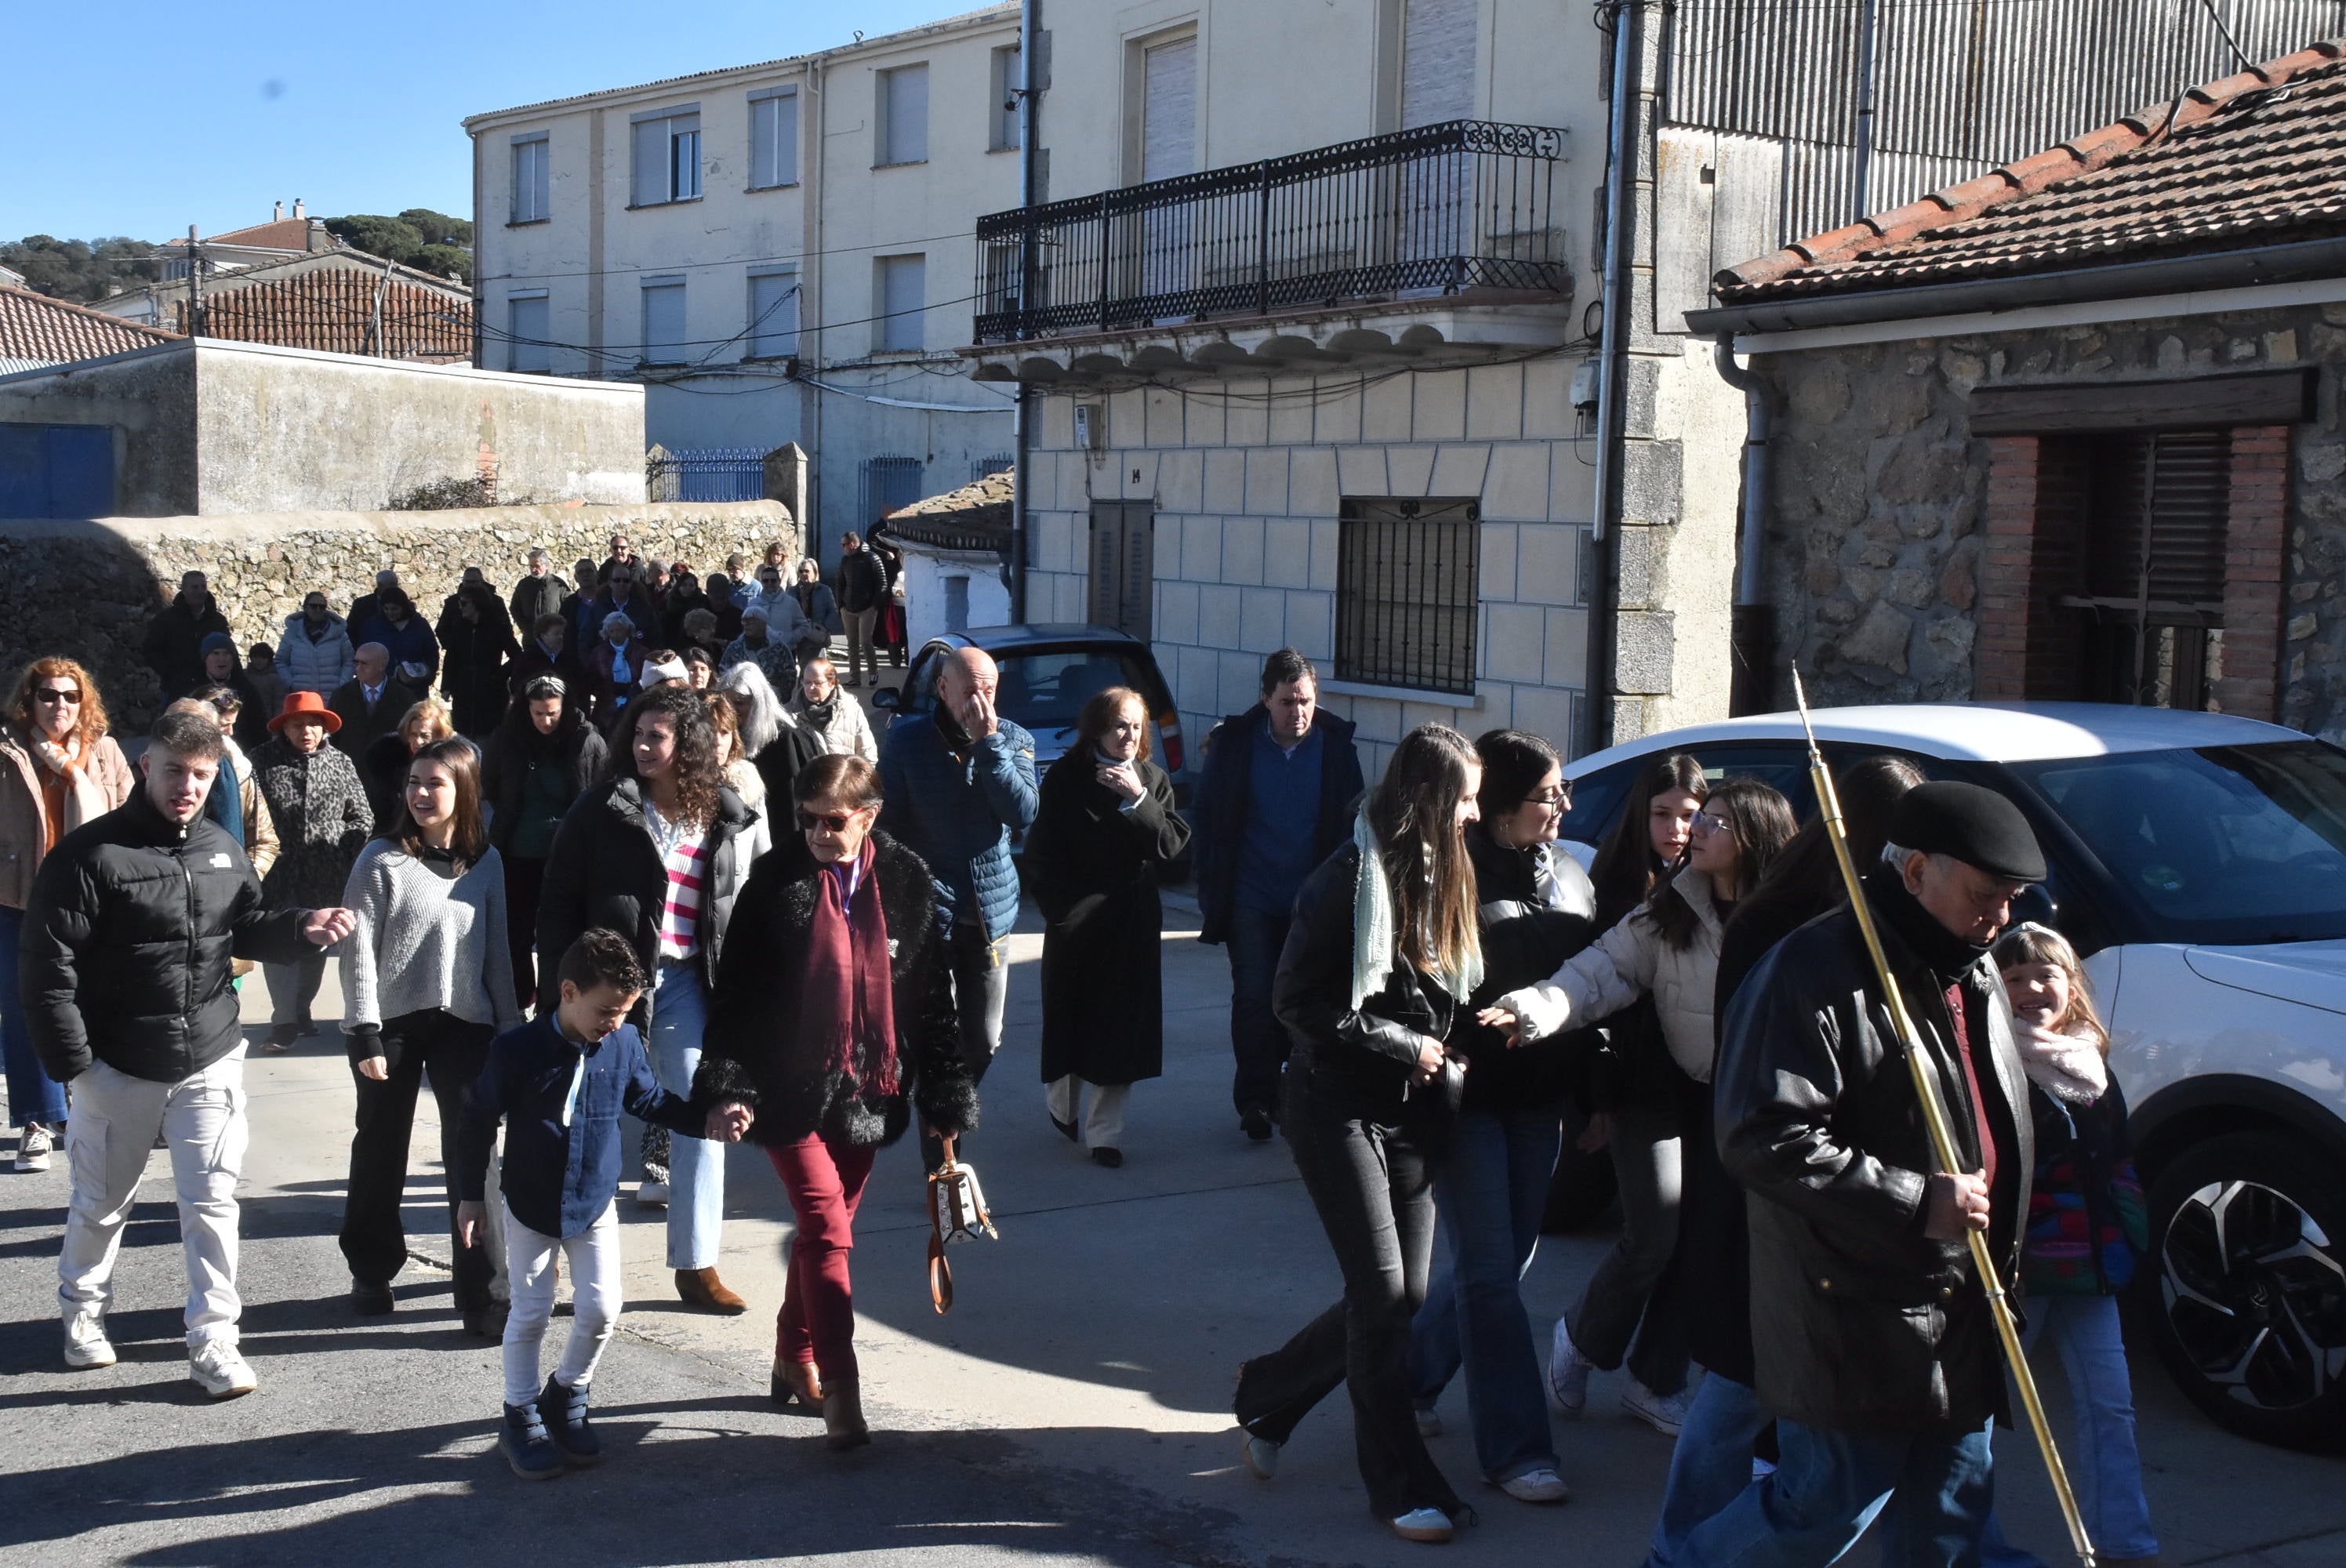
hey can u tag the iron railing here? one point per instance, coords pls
(706, 474)
(1434, 210)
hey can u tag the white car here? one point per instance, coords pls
(2199, 863)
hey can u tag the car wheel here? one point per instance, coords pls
(2248, 1270)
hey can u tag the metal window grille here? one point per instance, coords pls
(1001, 462)
(1406, 591)
(706, 474)
(888, 482)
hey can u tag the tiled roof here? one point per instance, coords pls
(335, 309)
(283, 234)
(2255, 158)
(974, 517)
(39, 330)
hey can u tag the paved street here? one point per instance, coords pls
(1073, 1406)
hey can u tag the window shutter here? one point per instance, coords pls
(905, 93)
(663, 323)
(526, 320)
(774, 139)
(904, 294)
(1437, 61)
(529, 181)
(773, 315)
(1169, 118)
(651, 162)
(2161, 507)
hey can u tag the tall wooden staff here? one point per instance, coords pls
(1943, 1138)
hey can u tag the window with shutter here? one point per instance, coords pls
(663, 321)
(773, 138)
(773, 315)
(902, 296)
(530, 183)
(903, 116)
(526, 319)
(1437, 61)
(1006, 81)
(666, 155)
(1169, 115)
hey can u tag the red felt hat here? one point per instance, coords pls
(305, 705)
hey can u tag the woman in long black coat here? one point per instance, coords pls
(1105, 826)
(479, 641)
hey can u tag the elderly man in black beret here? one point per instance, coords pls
(1871, 1331)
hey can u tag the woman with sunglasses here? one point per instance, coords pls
(833, 1020)
(659, 853)
(430, 983)
(544, 756)
(1667, 949)
(58, 768)
(1536, 908)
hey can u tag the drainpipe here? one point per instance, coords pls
(1754, 624)
(1862, 164)
(1030, 94)
(1604, 613)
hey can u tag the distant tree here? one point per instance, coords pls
(81, 270)
(391, 237)
(445, 260)
(438, 227)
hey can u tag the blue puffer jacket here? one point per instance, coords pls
(957, 806)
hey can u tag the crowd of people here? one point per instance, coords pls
(649, 884)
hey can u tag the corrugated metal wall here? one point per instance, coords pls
(1959, 86)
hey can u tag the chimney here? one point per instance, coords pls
(279, 216)
(298, 211)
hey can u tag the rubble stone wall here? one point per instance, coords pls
(90, 590)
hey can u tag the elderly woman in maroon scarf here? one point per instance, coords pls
(834, 1019)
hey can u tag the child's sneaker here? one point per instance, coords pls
(564, 1411)
(526, 1445)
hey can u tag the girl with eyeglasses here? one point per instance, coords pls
(58, 768)
(1668, 951)
(832, 1020)
(544, 756)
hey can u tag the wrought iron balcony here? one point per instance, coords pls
(1436, 210)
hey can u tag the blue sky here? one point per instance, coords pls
(157, 116)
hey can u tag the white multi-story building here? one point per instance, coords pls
(781, 252)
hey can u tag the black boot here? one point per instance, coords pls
(526, 1447)
(565, 1422)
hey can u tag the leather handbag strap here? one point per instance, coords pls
(941, 1288)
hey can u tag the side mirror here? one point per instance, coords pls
(887, 697)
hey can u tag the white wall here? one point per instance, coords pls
(926, 571)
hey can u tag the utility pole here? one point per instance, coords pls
(195, 287)
(1031, 77)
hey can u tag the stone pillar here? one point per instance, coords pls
(2256, 534)
(659, 484)
(786, 482)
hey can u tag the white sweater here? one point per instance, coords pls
(423, 941)
(1625, 963)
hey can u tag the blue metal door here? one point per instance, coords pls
(57, 470)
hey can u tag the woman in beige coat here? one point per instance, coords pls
(58, 768)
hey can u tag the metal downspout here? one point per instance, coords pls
(1029, 267)
(1754, 623)
(1604, 614)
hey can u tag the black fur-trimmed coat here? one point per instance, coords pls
(751, 1051)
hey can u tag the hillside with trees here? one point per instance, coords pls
(419, 238)
(81, 270)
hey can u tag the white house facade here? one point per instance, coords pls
(780, 252)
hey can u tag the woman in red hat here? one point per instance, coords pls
(322, 822)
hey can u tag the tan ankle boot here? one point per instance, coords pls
(842, 1414)
(797, 1386)
(700, 1287)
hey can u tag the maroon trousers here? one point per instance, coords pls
(824, 1179)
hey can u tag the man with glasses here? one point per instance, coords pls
(621, 595)
(315, 653)
(175, 641)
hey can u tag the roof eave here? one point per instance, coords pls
(2293, 262)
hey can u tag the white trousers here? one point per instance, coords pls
(108, 1136)
(1102, 1109)
(596, 1293)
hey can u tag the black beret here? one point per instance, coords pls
(1974, 824)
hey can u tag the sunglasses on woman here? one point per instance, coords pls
(836, 821)
(58, 694)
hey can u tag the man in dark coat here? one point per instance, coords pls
(174, 639)
(539, 593)
(128, 942)
(366, 607)
(1280, 786)
(862, 583)
(1874, 1339)
(371, 703)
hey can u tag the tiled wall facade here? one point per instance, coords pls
(1246, 477)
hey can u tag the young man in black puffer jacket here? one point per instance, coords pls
(128, 943)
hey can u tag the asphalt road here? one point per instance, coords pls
(1074, 1406)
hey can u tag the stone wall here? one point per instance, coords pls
(1878, 490)
(90, 590)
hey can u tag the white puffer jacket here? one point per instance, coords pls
(321, 666)
(1631, 961)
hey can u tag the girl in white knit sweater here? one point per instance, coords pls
(429, 975)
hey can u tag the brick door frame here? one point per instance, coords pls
(2020, 650)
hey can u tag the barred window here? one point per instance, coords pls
(1406, 576)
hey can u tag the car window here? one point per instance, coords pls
(921, 680)
(1046, 690)
(1597, 799)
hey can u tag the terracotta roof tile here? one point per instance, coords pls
(974, 517)
(2258, 157)
(37, 329)
(336, 310)
(283, 234)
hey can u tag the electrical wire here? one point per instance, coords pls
(731, 262)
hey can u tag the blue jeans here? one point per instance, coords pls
(33, 1094)
(1491, 1186)
(1711, 1464)
(696, 1167)
(2105, 1465)
(1830, 1486)
(1257, 1040)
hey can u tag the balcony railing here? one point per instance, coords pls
(1431, 211)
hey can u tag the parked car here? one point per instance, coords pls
(1048, 673)
(2200, 862)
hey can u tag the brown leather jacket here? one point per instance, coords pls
(23, 835)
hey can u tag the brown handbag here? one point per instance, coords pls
(956, 1212)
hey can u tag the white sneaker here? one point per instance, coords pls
(1260, 1455)
(33, 1144)
(652, 1194)
(1665, 1413)
(1761, 1469)
(1541, 1485)
(1426, 1524)
(1429, 1422)
(219, 1371)
(1568, 1374)
(86, 1345)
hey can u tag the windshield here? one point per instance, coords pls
(1046, 690)
(2225, 845)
